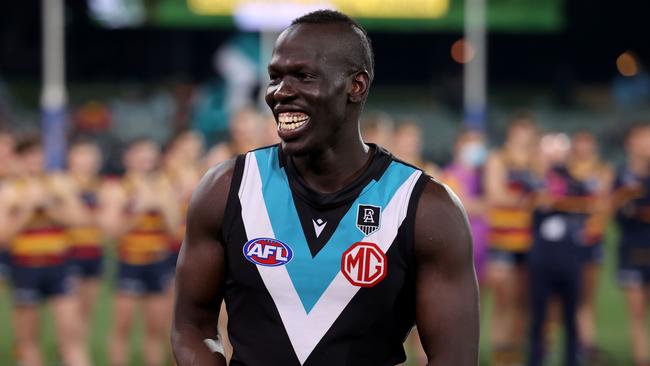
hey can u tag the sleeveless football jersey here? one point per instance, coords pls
(320, 279)
(86, 241)
(42, 241)
(147, 241)
(510, 227)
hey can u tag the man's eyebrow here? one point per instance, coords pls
(290, 66)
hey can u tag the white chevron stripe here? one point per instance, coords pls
(306, 330)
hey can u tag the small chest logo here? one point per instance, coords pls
(364, 264)
(368, 218)
(268, 252)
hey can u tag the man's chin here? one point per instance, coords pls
(295, 148)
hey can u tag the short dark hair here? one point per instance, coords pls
(326, 16)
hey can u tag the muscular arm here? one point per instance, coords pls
(200, 273)
(447, 306)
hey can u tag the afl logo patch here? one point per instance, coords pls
(268, 252)
(364, 264)
(368, 218)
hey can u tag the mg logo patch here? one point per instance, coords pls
(364, 264)
(368, 218)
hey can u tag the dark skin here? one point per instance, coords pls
(200, 273)
(311, 72)
(315, 77)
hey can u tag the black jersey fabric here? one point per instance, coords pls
(320, 279)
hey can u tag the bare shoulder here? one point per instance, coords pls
(216, 181)
(441, 228)
(439, 204)
(208, 202)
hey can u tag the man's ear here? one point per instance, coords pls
(359, 87)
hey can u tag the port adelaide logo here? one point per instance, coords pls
(368, 217)
(268, 252)
(364, 264)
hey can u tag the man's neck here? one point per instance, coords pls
(330, 170)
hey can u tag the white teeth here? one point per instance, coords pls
(291, 120)
(290, 126)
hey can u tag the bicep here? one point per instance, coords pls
(201, 270)
(447, 292)
(200, 275)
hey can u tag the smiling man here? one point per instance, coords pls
(326, 250)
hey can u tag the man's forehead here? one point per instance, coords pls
(311, 41)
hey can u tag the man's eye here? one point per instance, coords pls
(306, 76)
(274, 80)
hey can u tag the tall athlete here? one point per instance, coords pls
(35, 210)
(142, 212)
(632, 202)
(84, 163)
(326, 250)
(596, 177)
(509, 188)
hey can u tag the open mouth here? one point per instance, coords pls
(289, 121)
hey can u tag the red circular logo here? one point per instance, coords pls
(364, 264)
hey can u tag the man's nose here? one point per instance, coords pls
(284, 91)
